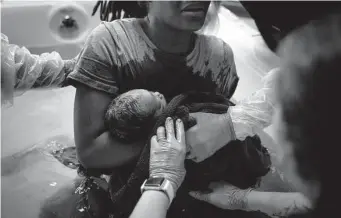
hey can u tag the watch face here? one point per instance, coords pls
(157, 182)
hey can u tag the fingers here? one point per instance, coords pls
(201, 196)
(169, 128)
(180, 132)
(161, 133)
(153, 145)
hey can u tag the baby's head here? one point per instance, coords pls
(131, 114)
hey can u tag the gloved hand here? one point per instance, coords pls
(224, 196)
(212, 132)
(255, 111)
(167, 153)
(8, 72)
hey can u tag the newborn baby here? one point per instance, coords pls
(131, 115)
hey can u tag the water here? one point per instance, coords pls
(27, 180)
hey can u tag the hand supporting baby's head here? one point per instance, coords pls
(131, 114)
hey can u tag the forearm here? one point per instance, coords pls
(105, 152)
(152, 204)
(256, 110)
(277, 204)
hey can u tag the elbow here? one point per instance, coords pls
(85, 157)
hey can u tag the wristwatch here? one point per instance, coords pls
(159, 184)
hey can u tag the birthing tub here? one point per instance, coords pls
(41, 119)
(41, 26)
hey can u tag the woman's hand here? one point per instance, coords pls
(211, 133)
(167, 153)
(225, 196)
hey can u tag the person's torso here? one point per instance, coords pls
(141, 65)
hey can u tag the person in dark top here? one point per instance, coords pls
(160, 52)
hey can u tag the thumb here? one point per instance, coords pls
(200, 196)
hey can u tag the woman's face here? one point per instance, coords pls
(181, 15)
(289, 164)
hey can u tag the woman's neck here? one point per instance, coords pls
(167, 38)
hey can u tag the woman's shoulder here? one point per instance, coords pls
(215, 50)
(217, 45)
(115, 30)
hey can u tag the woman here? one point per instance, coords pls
(160, 52)
(310, 65)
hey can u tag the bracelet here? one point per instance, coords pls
(246, 192)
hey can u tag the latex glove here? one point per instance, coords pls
(8, 73)
(225, 196)
(212, 132)
(255, 111)
(167, 153)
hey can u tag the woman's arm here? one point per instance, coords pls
(95, 146)
(95, 78)
(277, 204)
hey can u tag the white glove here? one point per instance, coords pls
(256, 110)
(167, 153)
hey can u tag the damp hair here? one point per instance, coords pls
(126, 119)
(308, 93)
(113, 10)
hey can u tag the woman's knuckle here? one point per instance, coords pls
(182, 150)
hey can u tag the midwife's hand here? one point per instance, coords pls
(8, 72)
(225, 196)
(167, 153)
(211, 133)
